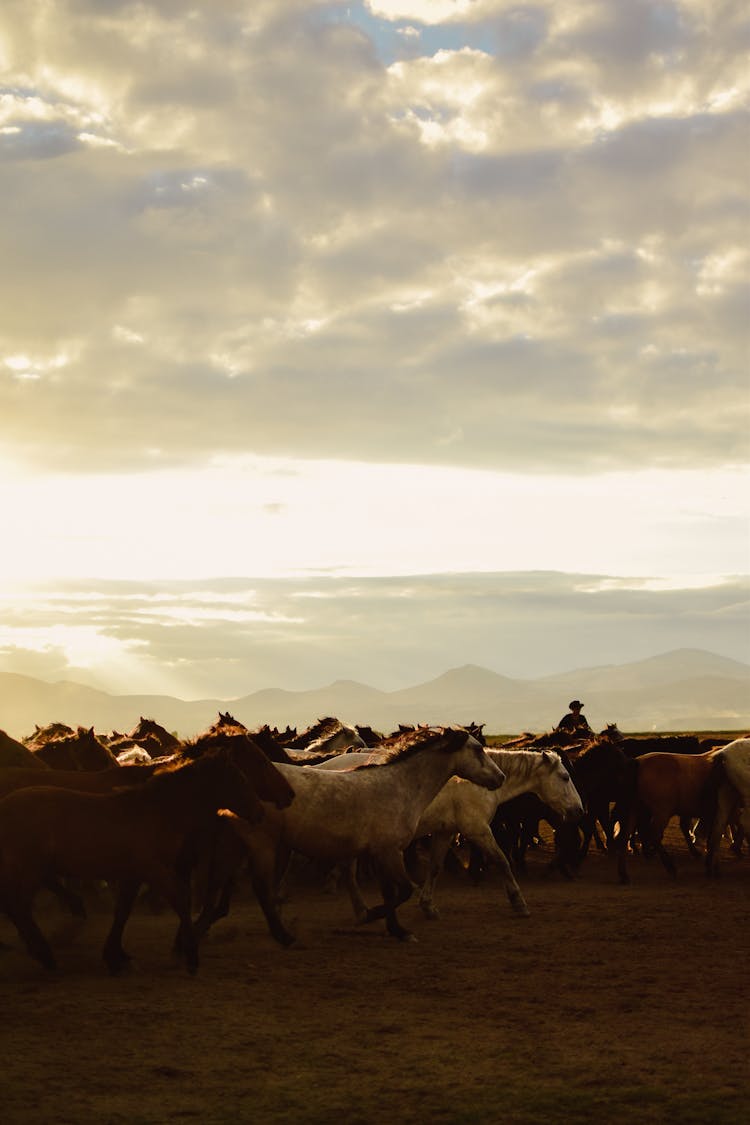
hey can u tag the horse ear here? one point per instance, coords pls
(547, 756)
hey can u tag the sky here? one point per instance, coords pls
(365, 340)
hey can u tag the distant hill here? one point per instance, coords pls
(683, 690)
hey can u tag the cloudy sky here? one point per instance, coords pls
(369, 339)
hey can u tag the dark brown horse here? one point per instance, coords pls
(148, 736)
(79, 750)
(14, 753)
(149, 728)
(268, 782)
(143, 834)
(45, 734)
(85, 781)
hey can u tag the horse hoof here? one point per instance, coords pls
(522, 910)
(408, 937)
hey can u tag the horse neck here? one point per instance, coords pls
(424, 772)
(189, 799)
(521, 769)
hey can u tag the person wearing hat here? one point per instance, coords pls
(574, 722)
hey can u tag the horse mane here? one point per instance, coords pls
(405, 743)
(528, 760)
(215, 738)
(318, 730)
(149, 728)
(179, 772)
(271, 745)
(49, 733)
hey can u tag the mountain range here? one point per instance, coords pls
(687, 689)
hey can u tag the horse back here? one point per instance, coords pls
(673, 783)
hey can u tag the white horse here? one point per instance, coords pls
(732, 766)
(332, 736)
(374, 810)
(461, 807)
(465, 808)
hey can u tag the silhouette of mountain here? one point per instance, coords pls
(687, 689)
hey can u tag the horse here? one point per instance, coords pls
(369, 736)
(599, 771)
(45, 734)
(325, 738)
(79, 750)
(597, 768)
(661, 786)
(372, 810)
(272, 745)
(636, 746)
(85, 781)
(89, 781)
(14, 753)
(465, 808)
(730, 790)
(149, 728)
(135, 835)
(270, 784)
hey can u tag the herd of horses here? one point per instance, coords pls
(187, 817)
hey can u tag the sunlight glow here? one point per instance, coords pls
(275, 517)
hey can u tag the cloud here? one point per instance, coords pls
(225, 638)
(252, 233)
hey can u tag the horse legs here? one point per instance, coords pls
(174, 886)
(349, 873)
(114, 955)
(487, 843)
(627, 821)
(686, 827)
(268, 856)
(568, 850)
(226, 856)
(656, 830)
(737, 837)
(215, 908)
(440, 842)
(725, 802)
(177, 894)
(396, 887)
(19, 911)
(267, 868)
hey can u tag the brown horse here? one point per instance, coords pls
(148, 736)
(661, 786)
(268, 782)
(149, 728)
(45, 734)
(85, 781)
(143, 834)
(79, 750)
(14, 753)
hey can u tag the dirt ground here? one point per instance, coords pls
(608, 1003)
